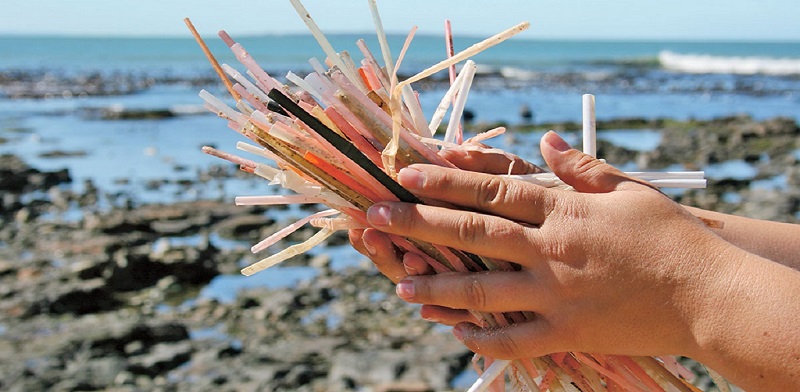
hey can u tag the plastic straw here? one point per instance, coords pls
(272, 200)
(589, 126)
(451, 135)
(321, 39)
(376, 19)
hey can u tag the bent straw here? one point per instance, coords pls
(291, 251)
(283, 233)
(211, 59)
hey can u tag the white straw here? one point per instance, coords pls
(417, 117)
(461, 101)
(387, 55)
(272, 200)
(679, 183)
(300, 82)
(485, 380)
(589, 126)
(317, 65)
(321, 39)
(469, 52)
(291, 251)
(283, 233)
(665, 175)
(662, 180)
(222, 109)
(247, 84)
(446, 101)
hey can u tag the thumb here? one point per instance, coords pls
(583, 172)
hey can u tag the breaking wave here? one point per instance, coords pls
(693, 63)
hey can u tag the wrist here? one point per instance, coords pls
(710, 304)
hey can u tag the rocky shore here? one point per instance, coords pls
(109, 300)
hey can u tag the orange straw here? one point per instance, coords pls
(211, 59)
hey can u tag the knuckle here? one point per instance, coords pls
(491, 192)
(507, 346)
(470, 228)
(475, 295)
(587, 164)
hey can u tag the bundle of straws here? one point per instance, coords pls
(337, 137)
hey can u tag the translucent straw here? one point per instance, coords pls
(485, 380)
(469, 52)
(321, 39)
(451, 135)
(282, 233)
(273, 200)
(447, 100)
(376, 19)
(289, 252)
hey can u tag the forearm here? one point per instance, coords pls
(747, 329)
(779, 242)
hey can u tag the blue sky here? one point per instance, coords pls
(616, 19)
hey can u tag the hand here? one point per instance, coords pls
(474, 157)
(614, 269)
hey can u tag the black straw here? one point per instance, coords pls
(347, 148)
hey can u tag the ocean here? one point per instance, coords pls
(51, 89)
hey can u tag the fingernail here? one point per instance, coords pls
(431, 319)
(411, 270)
(379, 215)
(458, 333)
(369, 247)
(557, 142)
(405, 289)
(411, 178)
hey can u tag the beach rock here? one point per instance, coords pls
(160, 358)
(109, 300)
(17, 177)
(244, 227)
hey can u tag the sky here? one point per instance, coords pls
(550, 19)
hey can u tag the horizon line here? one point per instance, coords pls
(402, 35)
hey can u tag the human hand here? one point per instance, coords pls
(616, 268)
(473, 157)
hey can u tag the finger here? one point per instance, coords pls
(480, 234)
(447, 316)
(491, 291)
(354, 235)
(484, 159)
(583, 172)
(383, 254)
(416, 265)
(515, 200)
(529, 339)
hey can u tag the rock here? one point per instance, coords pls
(160, 358)
(244, 227)
(14, 174)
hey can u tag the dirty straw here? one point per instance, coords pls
(337, 137)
